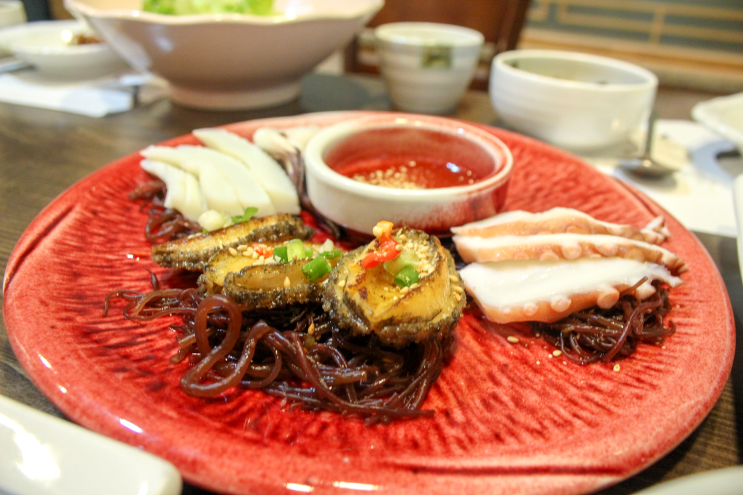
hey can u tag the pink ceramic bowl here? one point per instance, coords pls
(430, 173)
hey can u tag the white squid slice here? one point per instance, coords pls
(560, 220)
(564, 246)
(547, 291)
(269, 173)
(300, 136)
(274, 142)
(226, 183)
(183, 193)
(290, 140)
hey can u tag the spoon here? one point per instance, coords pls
(644, 165)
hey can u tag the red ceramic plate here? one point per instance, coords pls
(509, 417)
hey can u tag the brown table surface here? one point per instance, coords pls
(44, 152)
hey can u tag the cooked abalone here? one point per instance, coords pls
(192, 253)
(259, 255)
(368, 299)
(276, 285)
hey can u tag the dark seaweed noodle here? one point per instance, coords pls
(163, 224)
(297, 354)
(605, 334)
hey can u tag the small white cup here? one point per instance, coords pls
(11, 12)
(427, 67)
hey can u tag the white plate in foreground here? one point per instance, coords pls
(44, 455)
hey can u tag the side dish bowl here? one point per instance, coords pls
(573, 100)
(723, 115)
(48, 46)
(228, 61)
(443, 172)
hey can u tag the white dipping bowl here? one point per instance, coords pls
(229, 61)
(45, 45)
(426, 66)
(573, 100)
(397, 138)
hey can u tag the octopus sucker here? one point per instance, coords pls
(366, 301)
(192, 253)
(509, 291)
(564, 246)
(560, 221)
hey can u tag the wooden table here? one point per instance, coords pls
(44, 152)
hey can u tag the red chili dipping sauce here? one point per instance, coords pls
(410, 158)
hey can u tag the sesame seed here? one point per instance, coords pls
(616, 368)
(398, 247)
(405, 290)
(255, 255)
(556, 353)
(458, 288)
(512, 339)
(457, 297)
(453, 278)
(287, 283)
(311, 329)
(538, 363)
(233, 251)
(414, 286)
(242, 247)
(247, 254)
(342, 283)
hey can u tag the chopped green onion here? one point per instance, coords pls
(407, 276)
(295, 250)
(331, 254)
(249, 212)
(316, 268)
(280, 252)
(407, 257)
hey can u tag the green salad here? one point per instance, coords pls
(188, 7)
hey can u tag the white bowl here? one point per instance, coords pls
(573, 100)
(381, 140)
(723, 115)
(44, 45)
(426, 66)
(11, 12)
(229, 61)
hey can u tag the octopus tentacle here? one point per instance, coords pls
(547, 291)
(565, 247)
(559, 221)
